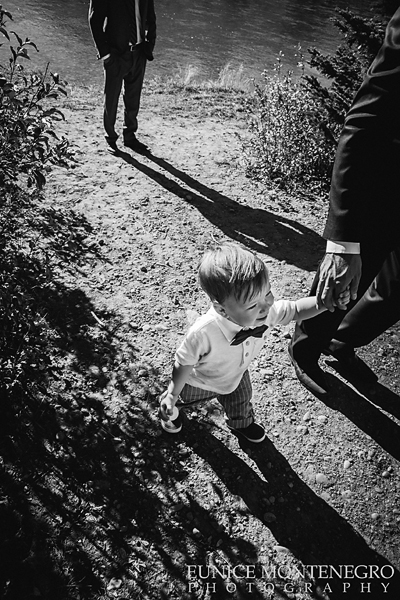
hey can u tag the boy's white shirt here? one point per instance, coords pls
(218, 366)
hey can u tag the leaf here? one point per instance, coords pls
(20, 42)
(28, 42)
(4, 32)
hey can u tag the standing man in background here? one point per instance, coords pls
(124, 33)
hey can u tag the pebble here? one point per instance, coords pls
(325, 496)
(94, 370)
(307, 416)
(322, 418)
(302, 429)
(133, 325)
(146, 327)
(346, 464)
(375, 516)
(321, 478)
(347, 494)
(281, 549)
(266, 372)
(114, 584)
(386, 474)
(196, 532)
(269, 517)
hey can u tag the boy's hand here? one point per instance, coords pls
(344, 299)
(167, 403)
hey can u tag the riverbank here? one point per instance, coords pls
(118, 509)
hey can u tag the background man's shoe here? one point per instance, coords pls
(112, 146)
(350, 362)
(310, 375)
(135, 145)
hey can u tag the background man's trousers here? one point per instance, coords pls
(127, 70)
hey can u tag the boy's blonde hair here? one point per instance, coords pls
(232, 269)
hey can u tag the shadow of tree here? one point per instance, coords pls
(304, 523)
(259, 229)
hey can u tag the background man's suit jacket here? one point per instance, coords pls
(111, 24)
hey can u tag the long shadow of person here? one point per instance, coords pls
(365, 415)
(375, 392)
(259, 229)
(303, 522)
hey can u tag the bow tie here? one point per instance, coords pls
(243, 334)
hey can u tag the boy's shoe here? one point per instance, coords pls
(253, 432)
(172, 425)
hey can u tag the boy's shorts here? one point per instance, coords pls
(237, 404)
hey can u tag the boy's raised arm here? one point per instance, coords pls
(306, 308)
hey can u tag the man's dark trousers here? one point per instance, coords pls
(127, 69)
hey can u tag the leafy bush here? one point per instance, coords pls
(296, 121)
(29, 146)
(28, 141)
(288, 147)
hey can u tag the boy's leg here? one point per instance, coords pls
(192, 395)
(237, 404)
(239, 410)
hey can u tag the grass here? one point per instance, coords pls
(191, 78)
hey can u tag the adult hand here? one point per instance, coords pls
(337, 272)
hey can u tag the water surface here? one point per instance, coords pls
(204, 33)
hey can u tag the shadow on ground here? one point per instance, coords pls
(259, 229)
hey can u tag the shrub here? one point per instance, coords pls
(28, 141)
(28, 147)
(296, 121)
(287, 147)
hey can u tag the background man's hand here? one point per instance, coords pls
(338, 272)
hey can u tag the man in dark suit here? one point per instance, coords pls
(124, 33)
(363, 222)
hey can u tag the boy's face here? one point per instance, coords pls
(250, 313)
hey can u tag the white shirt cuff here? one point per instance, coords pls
(342, 247)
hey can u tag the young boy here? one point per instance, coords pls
(213, 359)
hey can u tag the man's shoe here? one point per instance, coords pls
(349, 362)
(310, 375)
(112, 146)
(135, 145)
(253, 432)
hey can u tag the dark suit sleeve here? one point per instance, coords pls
(97, 18)
(364, 195)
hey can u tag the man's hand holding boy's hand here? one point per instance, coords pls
(167, 403)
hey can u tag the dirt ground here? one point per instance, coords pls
(323, 490)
